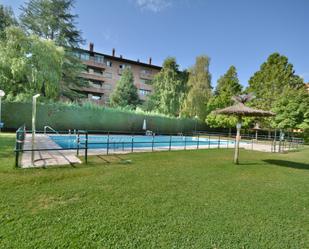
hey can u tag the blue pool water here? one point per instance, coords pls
(125, 141)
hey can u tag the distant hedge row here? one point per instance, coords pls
(64, 117)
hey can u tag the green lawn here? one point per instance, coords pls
(187, 199)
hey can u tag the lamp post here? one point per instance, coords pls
(2, 94)
(33, 125)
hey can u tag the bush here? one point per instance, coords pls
(63, 116)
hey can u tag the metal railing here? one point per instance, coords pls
(85, 140)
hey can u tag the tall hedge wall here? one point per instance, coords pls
(64, 117)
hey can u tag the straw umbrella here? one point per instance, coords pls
(240, 110)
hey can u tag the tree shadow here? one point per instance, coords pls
(288, 164)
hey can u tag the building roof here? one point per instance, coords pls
(121, 59)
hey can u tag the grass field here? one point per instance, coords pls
(183, 199)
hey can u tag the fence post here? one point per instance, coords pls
(208, 141)
(132, 144)
(107, 145)
(185, 142)
(252, 144)
(152, 143)
(16, 158)
(78, 141)
(170, 145)
(219, 142)
(86, 148)
(198, 141)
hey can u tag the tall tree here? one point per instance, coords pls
(269, 82)
(7, 19)
(29, 64)
(227, 86)
(53, 20)
(125, 94)
(292, 109)
(169, 88)
(199, 93)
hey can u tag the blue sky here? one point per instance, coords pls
(231, 32)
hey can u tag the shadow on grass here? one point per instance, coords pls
(288, 164)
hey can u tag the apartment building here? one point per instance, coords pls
(103, 71)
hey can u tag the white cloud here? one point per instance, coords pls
(153, 5)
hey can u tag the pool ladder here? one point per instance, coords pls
(50, 128)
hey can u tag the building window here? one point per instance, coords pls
(109, 63)
(96, 96)
(99, 58)
(144, 92)
(145, 71)
(108, 75)
(145, 81)
(84, 56)
(123, 66)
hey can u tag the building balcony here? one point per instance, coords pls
(93, 63)
(93, 76)
(146, 76)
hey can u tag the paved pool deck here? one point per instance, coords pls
(69, 157)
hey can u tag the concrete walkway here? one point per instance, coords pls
(46, 158)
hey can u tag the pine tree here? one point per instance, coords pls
(199, 93)
(7, 19)
(227, 87)
(125, 94)
(53, 20)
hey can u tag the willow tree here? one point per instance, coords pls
(169, 88)
(29, 64)
(199, 89)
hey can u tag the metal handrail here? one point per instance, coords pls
(50, 128)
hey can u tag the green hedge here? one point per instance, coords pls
(64, 117)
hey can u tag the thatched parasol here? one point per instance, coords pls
(240, 110)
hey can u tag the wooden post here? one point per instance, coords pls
(236, 155)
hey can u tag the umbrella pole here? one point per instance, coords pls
(236, 155)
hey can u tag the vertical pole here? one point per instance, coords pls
(0, 112)
(33, 126)
(236, 155)
(280, 136)
(219, 142)
(107, 145)
(132, 144)
(152, 143)
(185, 143)
(275, 140)
(78, 142)
(170, 145)
(86, 148)
(198, 141)
(208, 141)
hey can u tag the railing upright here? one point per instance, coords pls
(132, 144)
(170, 144)
(198, 141)
(86, 147)
(208, 141)
(107, 145)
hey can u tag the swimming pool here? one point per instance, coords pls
(127, 141)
